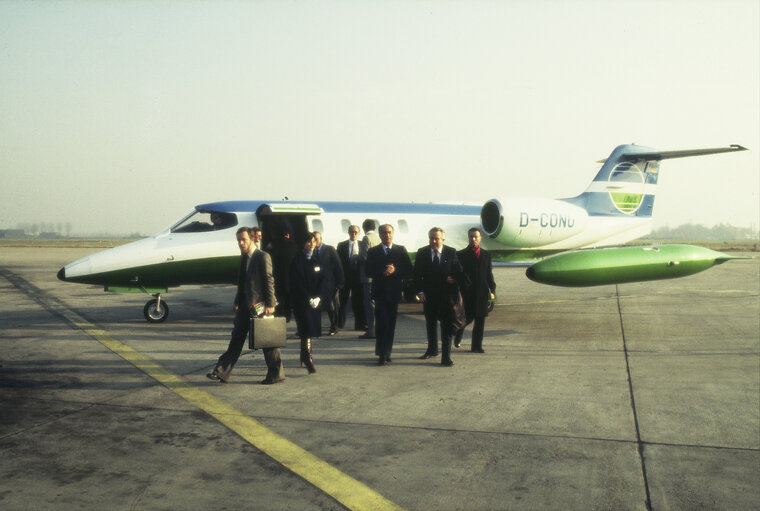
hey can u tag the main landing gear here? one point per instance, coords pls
(156, 311)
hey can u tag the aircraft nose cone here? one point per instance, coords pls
(62, 274)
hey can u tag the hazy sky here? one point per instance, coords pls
(121, 116)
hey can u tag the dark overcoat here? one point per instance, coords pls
(479, 283)
(306, 282)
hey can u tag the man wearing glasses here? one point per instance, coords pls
(348, 251)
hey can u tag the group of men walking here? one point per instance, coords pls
(454, 287)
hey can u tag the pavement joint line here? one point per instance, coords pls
(340, 486)
(639, 443)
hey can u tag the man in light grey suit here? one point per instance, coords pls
(255, 291)
(370, 239)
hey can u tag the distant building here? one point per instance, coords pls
(12, 233)
(48, 235)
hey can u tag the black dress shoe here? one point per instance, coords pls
(447, 363)
(381, 361)
(457, 344)
(223, 373)
(267, 381)
(427, 355)
(388, 359)
(333, 332)
(220, 373)
(478, 350)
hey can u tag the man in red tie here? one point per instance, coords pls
(478, 290)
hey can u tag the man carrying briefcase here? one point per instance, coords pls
(255, 284)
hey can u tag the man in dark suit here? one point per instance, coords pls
(370, 239)
(478, 290)
(334, 279)
(436, 268)
(387, 265)
(348, 251)
(255, 290)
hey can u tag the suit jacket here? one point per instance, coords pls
(255, 280)
(430, 278)
(370, 240)
(332, 270)
(388, 288)
(479, 282)
(350, 267)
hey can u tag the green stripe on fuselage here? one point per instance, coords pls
(223, 270)
(212, 270)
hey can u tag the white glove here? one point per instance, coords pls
(314, 302)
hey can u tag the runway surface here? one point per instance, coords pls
(637, 396)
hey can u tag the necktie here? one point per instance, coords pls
(436, 259)
(354, 252)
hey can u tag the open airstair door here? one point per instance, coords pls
(277, 218)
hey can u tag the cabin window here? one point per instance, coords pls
(316, 225)
(403, 227)
(204, 221)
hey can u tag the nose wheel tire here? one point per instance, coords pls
(156, 310)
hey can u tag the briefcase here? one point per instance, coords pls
(266, 332)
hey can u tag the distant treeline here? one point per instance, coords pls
(720, 232)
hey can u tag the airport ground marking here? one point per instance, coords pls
(342, 487)
(351, 493)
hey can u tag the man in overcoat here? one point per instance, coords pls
(436, 269)
(478, 290)
(334, 280)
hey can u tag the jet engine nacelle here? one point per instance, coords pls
(525, 222)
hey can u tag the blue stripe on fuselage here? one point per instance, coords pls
(349, 207)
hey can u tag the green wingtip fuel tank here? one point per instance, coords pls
(600, 266)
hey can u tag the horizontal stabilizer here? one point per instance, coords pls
(665, 155)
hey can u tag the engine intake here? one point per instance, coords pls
(522, 222)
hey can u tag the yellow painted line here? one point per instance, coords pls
(343, 488)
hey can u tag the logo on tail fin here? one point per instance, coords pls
(628, 181)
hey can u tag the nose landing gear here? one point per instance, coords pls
(156, 311)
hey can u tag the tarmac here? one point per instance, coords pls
(637, 396)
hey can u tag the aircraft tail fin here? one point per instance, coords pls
(627, 182)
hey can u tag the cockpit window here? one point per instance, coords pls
(203, 221)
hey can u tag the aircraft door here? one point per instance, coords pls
(277, 220)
